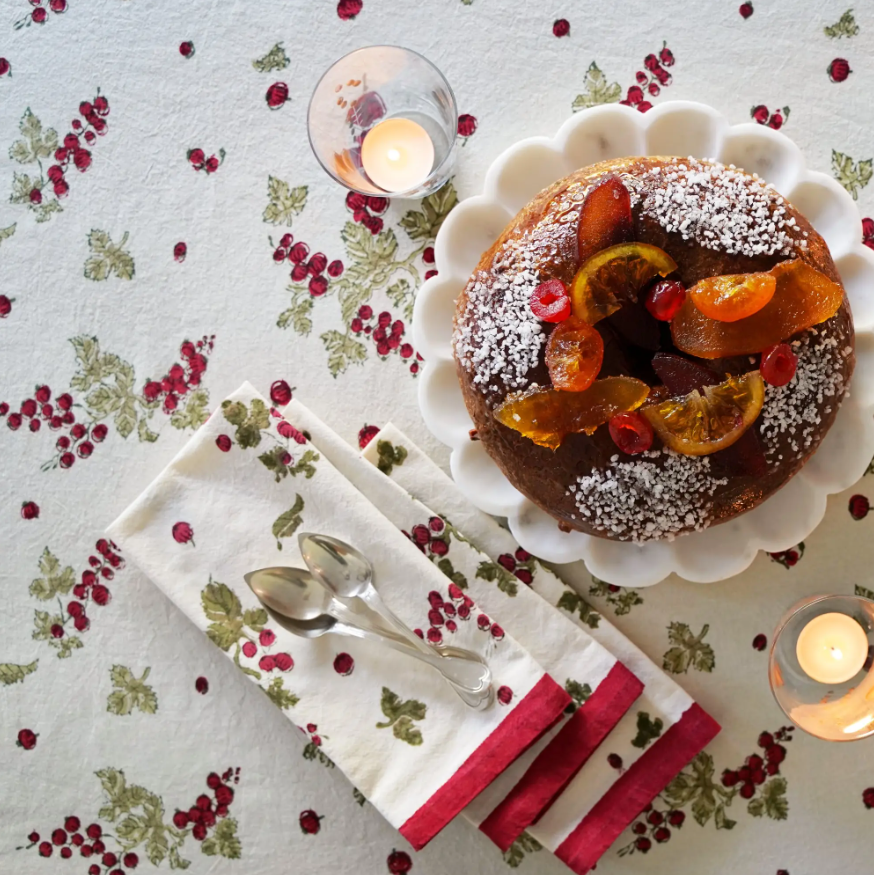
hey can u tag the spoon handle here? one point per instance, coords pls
(374, 601)
(472, 680)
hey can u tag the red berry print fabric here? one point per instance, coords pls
(166, 234)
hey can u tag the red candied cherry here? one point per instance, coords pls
(45, 850)
(505, 695)
(760, 642)
(662, 834)
(39, 15)
(318, 286)
(186, 49)
(561, 27)
(26, 739)
(839, 69)
(631, 432)
(344, 664)
(550, 301)
(280, 392)
(298, 252)
(664, 299)
(250, 649)
(14, 421)
(335, 268)
(778, 364)
(317, 264)
(276, 95)
(130, 860)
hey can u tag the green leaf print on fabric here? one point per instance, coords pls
(343, 351)
(281, 463)
(696, 786)
(574, 603)
(54, 579)
(286, 524)
(6, 233)
(50, 628)
(36, 143)
(282, 698)
(358, 796)
(389, 456)
(223, 842)
(228, 621)
(525, 844)
(193, 413)
(689, 651)
(597, 90)
(275, 59)
(492, 572)
(844, 26)
(648, 730)
(249, 424)
(297, 316)
(107, 257)
(400, 716)
(10, 673)
(313, 752)
(620, 599)
(284, 202)
(853, 176)
(772, 801)
(131, 693)
(578, 692)
(425, 222)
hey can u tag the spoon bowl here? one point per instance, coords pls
(291, 592)
(344, 570)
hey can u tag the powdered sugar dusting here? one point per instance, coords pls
(719, 207)
(796, 409)
(642, 501)
(496, 334)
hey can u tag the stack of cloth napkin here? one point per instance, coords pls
(567, 695)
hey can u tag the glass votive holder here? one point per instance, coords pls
(399, 100)
(820, 666)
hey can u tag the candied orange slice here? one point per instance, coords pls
(574, 353)
(697, 425)
(734, 296)
(547, 416)
(615, 275)
(803, 297)
(605, 218)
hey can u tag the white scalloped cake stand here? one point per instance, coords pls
(597, 134)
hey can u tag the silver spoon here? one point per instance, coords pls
(304, 607)
(347, 572)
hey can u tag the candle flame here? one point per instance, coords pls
(394, 155)
(837, 653)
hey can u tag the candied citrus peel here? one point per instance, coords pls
(547, 416)
(698, 425)
(605, 218)
(734, 296)
(574, 353)
(803, 297)
(615, 275)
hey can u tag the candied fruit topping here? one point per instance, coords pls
(734, 296)
(681, 375)
(547, 416)
(664, 299)
(778, 364)
(605, 218)
(574, 353)
(804, 297)
(698, 425)
(615, 275)
(550, 301)
(631, 432)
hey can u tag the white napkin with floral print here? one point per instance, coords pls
(231, 502)
(650, 745)
(602, 688)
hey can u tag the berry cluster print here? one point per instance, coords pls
(198, 160)
(134, 830)
(102, 392)
(43, 192)
(78, 597)
(764, 116)
(444, 614)
(40, 12)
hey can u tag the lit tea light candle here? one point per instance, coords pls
(397, 154)
(832, 648)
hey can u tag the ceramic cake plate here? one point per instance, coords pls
(516, 176)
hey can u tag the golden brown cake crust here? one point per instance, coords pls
(497, 355)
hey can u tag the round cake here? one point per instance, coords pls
(653, 346)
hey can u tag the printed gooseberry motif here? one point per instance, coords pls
(310, 822)
(467, 125)
(521, 563)
(39, 15)
(838, 70)
(746, 10)
(868, 232)
(276, 95)
(505, 695)
(788, 558)
(5, 66)
(183, 533)
(186, 49)
(859, 507)
(561, 27)
(366, 210)
(399, 862)
(280, 393)
(198, 160)
(27, 740)
(366, 434)
(868, 797)
(387, 334)
(201, 684)
(650, 80)
(309, 269)
(344, 664)
(5, 306)
(763, 116)
(29, 510)
(180, 250)
(348, 9)
(760, 642)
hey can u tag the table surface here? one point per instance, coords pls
(100, 307)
